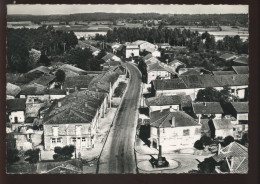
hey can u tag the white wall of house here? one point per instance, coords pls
(17, 115)
(152, 75)
(218, 116)
(177, 137)
(147, 46)
(223, 132)
(156, 53)
(157, 108)
(56, 97)
(128, 52)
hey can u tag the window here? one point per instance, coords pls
(83, 139)
(59, 140)
(53, 140)
(73, 140)
(186, 132)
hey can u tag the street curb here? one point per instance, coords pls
(113, 122)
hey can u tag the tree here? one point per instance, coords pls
(205, 140)
(32, 156)
(12, 156)
(209, 94)
(244, 139)
(199, 145)
(207, 166)
(62, 154)
(60, 76)
(227, 140)
(44, 60)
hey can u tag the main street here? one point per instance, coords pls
(118, 153)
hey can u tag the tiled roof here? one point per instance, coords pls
(242, 60)
(12, 89)
(223, 72)
(56, 91)
(241, 69)
(43, 80)
(147, 57)
(112, 63)
(68, 67)
(107, 57)
(169, 84)
(33, 90)
(238, 153)
(78, 107)
(199, 81)
(163, 119)
(207, 108)
(175, 61)
(42, 69)
(183, 100)
(152, 61)
(102, 81)
(17, 104)
(81, 81)
(139, 42)
(240, 107)
(132, 46)
(232, 80)
(221, 124)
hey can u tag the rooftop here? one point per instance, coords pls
(207, 108)
(12, 90)
(175, 61)
(81, 81)
(183, 100)
(241, 69)
(33, 90)
(169, 84)
(42, 69)
(163, 119)
(17, 104)
(221, 124)
(68, 67)
(232, 80)
(242, 60)
(223, 72)
(107, 57)
(240, 107)
(199, 81)
(227, 56)
(44, 80)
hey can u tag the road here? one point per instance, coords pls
(118, 153)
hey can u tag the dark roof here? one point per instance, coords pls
(220, 124)
(183, 100)
(241, 69)
(232, 80)
(81, 81)
(68, 67)
(43, 80)
(107, 57)
(199, 81)
(111, 63)
(56, 91)
(242, 60)
(102, 81)
(12, 90)
(163, 119)
(169, 84)
(42, 69)
(192, 71)
(223, 72)
(240, 107)
(33, 90)
(18, 104)
(78, 107)
(207, 108)
(21, 168)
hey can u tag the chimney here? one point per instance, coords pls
(59, 104)
(173, 122)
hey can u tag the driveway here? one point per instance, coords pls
(118, 153)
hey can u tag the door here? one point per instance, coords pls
(78, 143)
(15, 119)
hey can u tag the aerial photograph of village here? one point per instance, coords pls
(127, 89)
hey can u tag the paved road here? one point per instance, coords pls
(118, 154)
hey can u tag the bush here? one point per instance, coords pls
(244, 139)
(119, 91)
(227, 140)
(205, 140)
(198, 145)
(64, 153)
(33, 155)
(12, 156)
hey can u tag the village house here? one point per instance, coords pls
(74, 120)
(12, 91)
(207, 110)
(193, 71)
(41, 70)
(22, 140)
(159, 70)
(80, 82)
(223, 72)
(144, 45)
(176, 102)
(220, 128)
(235, 156)
(150, 59)
(45, 80)
(238, 113)
(71, 71)
(110, 64)
(15, 109)
(131, 50)
(110, 57)
(84, 44)
(173, 129)
(56, 93)
(34, 90)
(164, 45)
(176, 63)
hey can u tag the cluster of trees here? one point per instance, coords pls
(233, 44)
(84, 59)
(64, 153)
(20, 42)
(210, 94)
(143, 69)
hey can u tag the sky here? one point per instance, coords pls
(162, 9)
